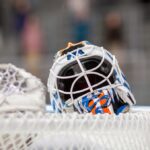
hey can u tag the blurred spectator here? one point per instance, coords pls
(79, 8)
(113, 30)
(113, 36)
(81, 29)
(146, 9)
(20, 12)
(21, 9)
(80, 18)
(32, 42)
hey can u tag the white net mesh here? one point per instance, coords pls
(73, 131)
(20, 90)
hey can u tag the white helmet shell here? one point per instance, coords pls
(85, 70)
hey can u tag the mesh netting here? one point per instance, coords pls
(73, 131)
(20, 90)
(13, 80)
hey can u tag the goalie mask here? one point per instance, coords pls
(87, 79)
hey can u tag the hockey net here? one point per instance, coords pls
(20, 90)
(45, 131)
(25, 126)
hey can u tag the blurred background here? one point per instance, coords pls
(32, 31)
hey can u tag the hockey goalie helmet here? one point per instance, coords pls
(87, 78)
